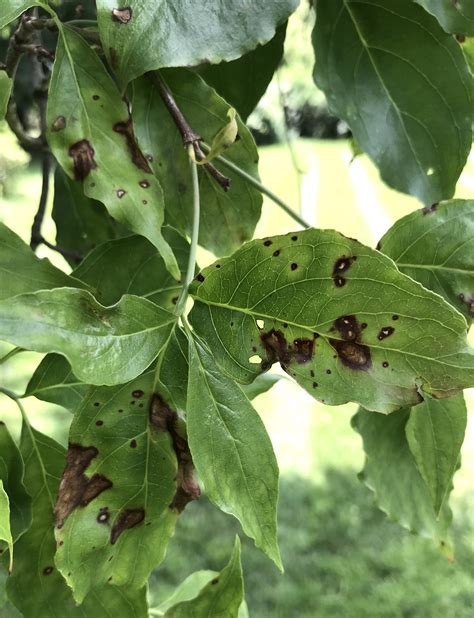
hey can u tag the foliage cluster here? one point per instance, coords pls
(141, 106)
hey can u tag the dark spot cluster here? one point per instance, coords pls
(341, 266)
(350, 350)
(279, 350)
(82, 155)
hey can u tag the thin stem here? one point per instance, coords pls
(10, 355)
(90, 35)
(29, 143)
(84, 23)
(187, 133)
(262, 188)
(181, 304)
(66, 253)
(189, 136)
(36, 236)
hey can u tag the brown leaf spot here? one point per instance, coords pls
(144, 184)
(75, 489)
(385, 332)
(341, 266)
(302, 350)
(138, 159)
(350, 350)
(129, 518)
(294, 266)
(163, 418)
(103, 516)
(137, 394)
(99, 423)
(120, 193)
(276, 253)
(59, 124)
(385, 364)
(133, 444)
(123, 16)
(48, 570)
(267, 243)
(95, 97)
(82, 155)
(352, 354)
(277, 349)
(294, 238)
(200, 277)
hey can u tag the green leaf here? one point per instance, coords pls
(435, 433)
(411, 112)
(54, 381)
(36, 587)
(456, 16)
(105, 345)
(91, 135)
(435, 246)
(260, 385)
(132, 265)
(221, 30)
(339, 317)
(243, 82)
(123, 488)
(188, 589)
(81, 222)
(231, 450)
(391, 473)
(22, 271)
(5, 530)
(227, 217)
(11, 475)
(6, 85)
(220, 598)
(11, 9)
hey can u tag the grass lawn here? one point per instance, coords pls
(342, 557)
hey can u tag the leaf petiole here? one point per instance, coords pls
(262, 188)
(181, 304)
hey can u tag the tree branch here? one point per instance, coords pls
(36, 236)
(190, 137)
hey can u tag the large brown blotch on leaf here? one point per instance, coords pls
(164, 418)
(76, 489)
